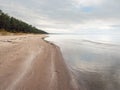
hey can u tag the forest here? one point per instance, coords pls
(11, 24)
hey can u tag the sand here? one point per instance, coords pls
(28, 62)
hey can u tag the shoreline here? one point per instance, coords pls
(28, 62)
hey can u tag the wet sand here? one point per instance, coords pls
(28, 62)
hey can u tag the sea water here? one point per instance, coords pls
(94, 59)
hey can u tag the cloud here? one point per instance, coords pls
(65, 15)
(87, 2)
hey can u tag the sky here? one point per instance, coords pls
(66, 16)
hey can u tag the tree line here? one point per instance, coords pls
(14, 25)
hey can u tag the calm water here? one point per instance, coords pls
(94, 60)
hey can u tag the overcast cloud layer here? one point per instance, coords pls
(66, 15)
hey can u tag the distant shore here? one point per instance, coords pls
(27, 62)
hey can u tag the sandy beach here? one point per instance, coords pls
(27, 62)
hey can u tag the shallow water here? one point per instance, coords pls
(94, 60)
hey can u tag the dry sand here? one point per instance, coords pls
(28, 62)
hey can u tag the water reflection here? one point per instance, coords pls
(94, 60)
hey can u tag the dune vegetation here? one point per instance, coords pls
(10, 24)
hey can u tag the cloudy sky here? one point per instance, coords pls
(68, 16)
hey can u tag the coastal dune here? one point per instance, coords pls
(27, 62)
